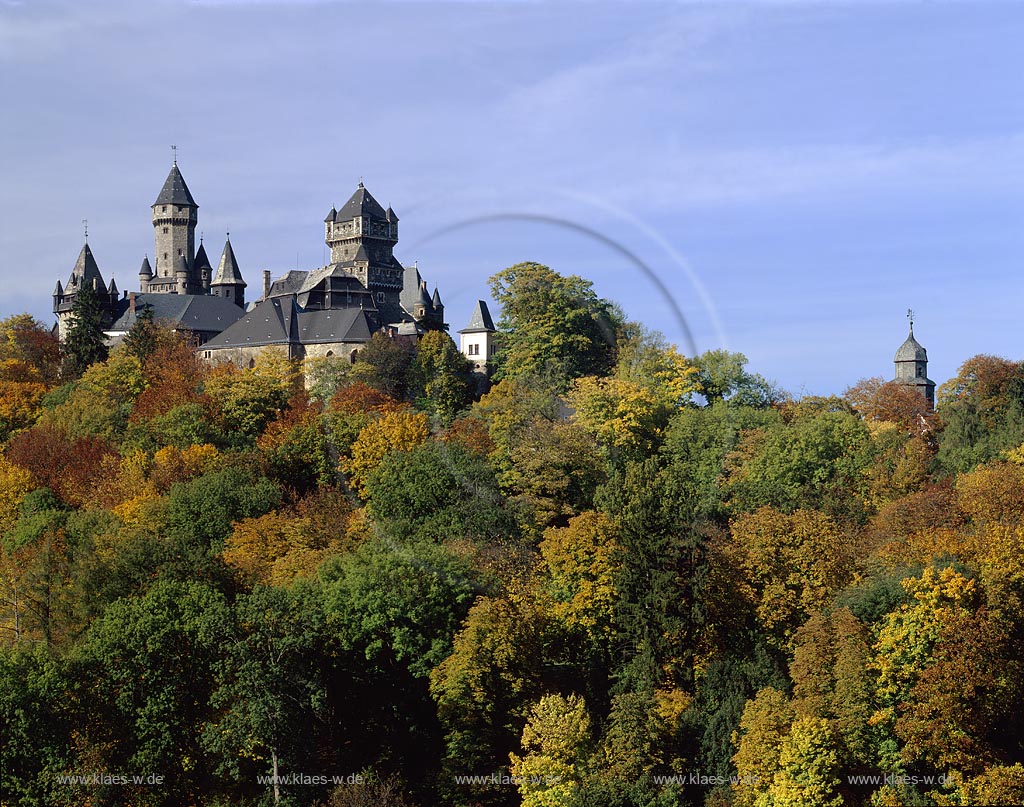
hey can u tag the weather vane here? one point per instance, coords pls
(85, 226)
(174, 152)
(910, 316)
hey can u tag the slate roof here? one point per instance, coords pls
(145, 270)
(190, 312)
(227, 270)
(436, 299)
(202, 260)
(410, 294)
(280, 321)
(481, 320)
(911, 350)
(291, 282)
(85, 271)
(175, 191)
(361, 203)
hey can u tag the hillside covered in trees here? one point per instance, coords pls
(622, 576)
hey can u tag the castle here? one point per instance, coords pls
(328, 311)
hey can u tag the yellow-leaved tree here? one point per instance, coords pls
(555, 746)
(393, 431)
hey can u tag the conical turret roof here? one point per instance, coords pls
(331, 216)
(228, 272)
(201, 260)
(436, 299)
(175, 191)
(145, 270)
(86, 271)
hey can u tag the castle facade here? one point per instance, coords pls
(328, 311)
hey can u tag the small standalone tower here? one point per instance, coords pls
(228, 283)
(175, 214)
(476, 340)
(912, 365)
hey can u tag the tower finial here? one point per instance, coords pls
(910, 316)
(174, 152)
(85, 226)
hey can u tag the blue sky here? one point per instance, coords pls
(796, 174)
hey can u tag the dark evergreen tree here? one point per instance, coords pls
(85, 343)
(143, 337)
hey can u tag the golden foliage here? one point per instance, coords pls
(393, 431)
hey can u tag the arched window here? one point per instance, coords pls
(252, 363)
(352, 356)
(330, 353)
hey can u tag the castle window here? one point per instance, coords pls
(330, 353)
(252, 363)
(165, 229)
(163, 209)
(352, 356)
(380, 297)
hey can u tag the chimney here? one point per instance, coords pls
(266, 283)
(131, 302)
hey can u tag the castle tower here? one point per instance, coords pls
(181, 276)
(476, 340)
(912, 365)
(437, 305)
(202, 270)
(145, 275)
(229, 283)
(85, 272)
(175, 214)
(362, 236)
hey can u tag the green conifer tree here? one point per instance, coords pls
(85, 343)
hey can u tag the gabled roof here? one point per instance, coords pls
(191, 312)
(409, 296)
(227, 271)
(175, 191)
(279, 321)
(291, 282)
(85, 271)
(361, 203)
(481, 320)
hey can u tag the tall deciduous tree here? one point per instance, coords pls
(552, 325)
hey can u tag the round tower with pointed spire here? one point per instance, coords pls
(229, 283)
(912, 365)
(175, 215)
(145, 274)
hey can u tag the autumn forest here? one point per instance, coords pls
(616, 576)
